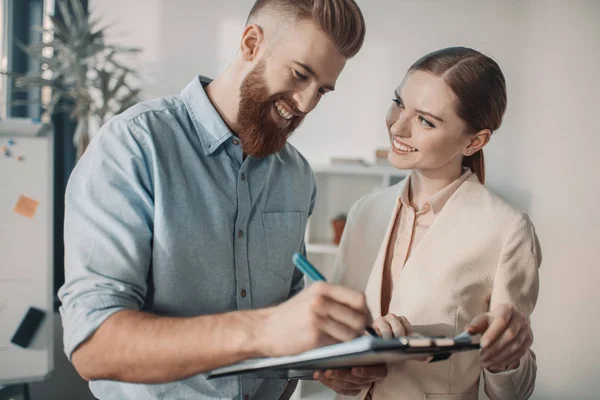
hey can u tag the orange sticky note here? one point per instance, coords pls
(26, 206)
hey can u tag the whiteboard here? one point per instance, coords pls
(26, 257)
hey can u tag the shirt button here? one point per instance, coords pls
(235, 141)
(243, 293)
(240, 233)
(243, 177)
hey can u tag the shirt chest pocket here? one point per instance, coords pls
(283, 237)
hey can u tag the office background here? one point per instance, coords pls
(543, 159)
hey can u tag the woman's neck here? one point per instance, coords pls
(426, 183)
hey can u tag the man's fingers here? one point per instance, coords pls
(343, 295)
(374, 373)
(360, 377)
(343, 386)
(344, 315)
(337, 331)
(346, 375)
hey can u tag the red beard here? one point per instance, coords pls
(259, 134)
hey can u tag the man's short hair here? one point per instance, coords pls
(341, 20)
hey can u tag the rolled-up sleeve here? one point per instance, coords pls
(108, 231)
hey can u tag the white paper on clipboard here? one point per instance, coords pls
(363, 351)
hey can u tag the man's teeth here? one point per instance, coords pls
(402, 147)
(284, 114)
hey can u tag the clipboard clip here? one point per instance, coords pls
(463, 339)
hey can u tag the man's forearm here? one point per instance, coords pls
(133, 346)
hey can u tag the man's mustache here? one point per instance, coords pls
(291, 104)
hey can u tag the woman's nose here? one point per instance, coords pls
(401, 127)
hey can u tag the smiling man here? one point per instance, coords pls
(183, 215)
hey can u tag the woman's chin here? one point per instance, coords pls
(400, 162)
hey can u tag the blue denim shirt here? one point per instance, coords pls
(163, 214)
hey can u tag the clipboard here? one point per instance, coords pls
(360, 352)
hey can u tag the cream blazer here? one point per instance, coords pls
(478, 246)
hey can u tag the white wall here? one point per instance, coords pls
(542, 160)
(559, 135)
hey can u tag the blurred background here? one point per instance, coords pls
(543, 159)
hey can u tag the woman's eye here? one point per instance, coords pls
(299, 76)
(398, 103)
(425, 123)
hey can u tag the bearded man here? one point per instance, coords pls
(182, 217)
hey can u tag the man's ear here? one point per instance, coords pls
(252, 39)
(478, 142)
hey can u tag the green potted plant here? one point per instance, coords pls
(338, 223)
(80, 67)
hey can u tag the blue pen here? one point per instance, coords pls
(309, 270)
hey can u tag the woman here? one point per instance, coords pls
(454, 256)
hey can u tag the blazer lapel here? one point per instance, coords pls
(443, 230)
(373, 289)
(446, 221)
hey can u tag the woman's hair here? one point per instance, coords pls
(479, 85)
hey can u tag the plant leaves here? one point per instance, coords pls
(79, 66)
(29, 81)
(129, 100)
(65, 13)
(80, 15)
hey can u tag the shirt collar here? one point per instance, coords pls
(439, 199)
(209, 125)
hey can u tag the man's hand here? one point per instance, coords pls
(506, 337)
(350, 382)
(321, 315)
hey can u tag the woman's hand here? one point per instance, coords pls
(507, 336)
(391, 326)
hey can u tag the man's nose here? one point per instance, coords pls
(307, 99)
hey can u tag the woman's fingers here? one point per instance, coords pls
(383, 328)
(392, 326)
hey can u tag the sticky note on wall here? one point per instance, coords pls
(26, 206)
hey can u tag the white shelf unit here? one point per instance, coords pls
(339, 187)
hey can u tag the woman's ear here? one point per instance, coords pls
(477, 142)
(252, 39)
